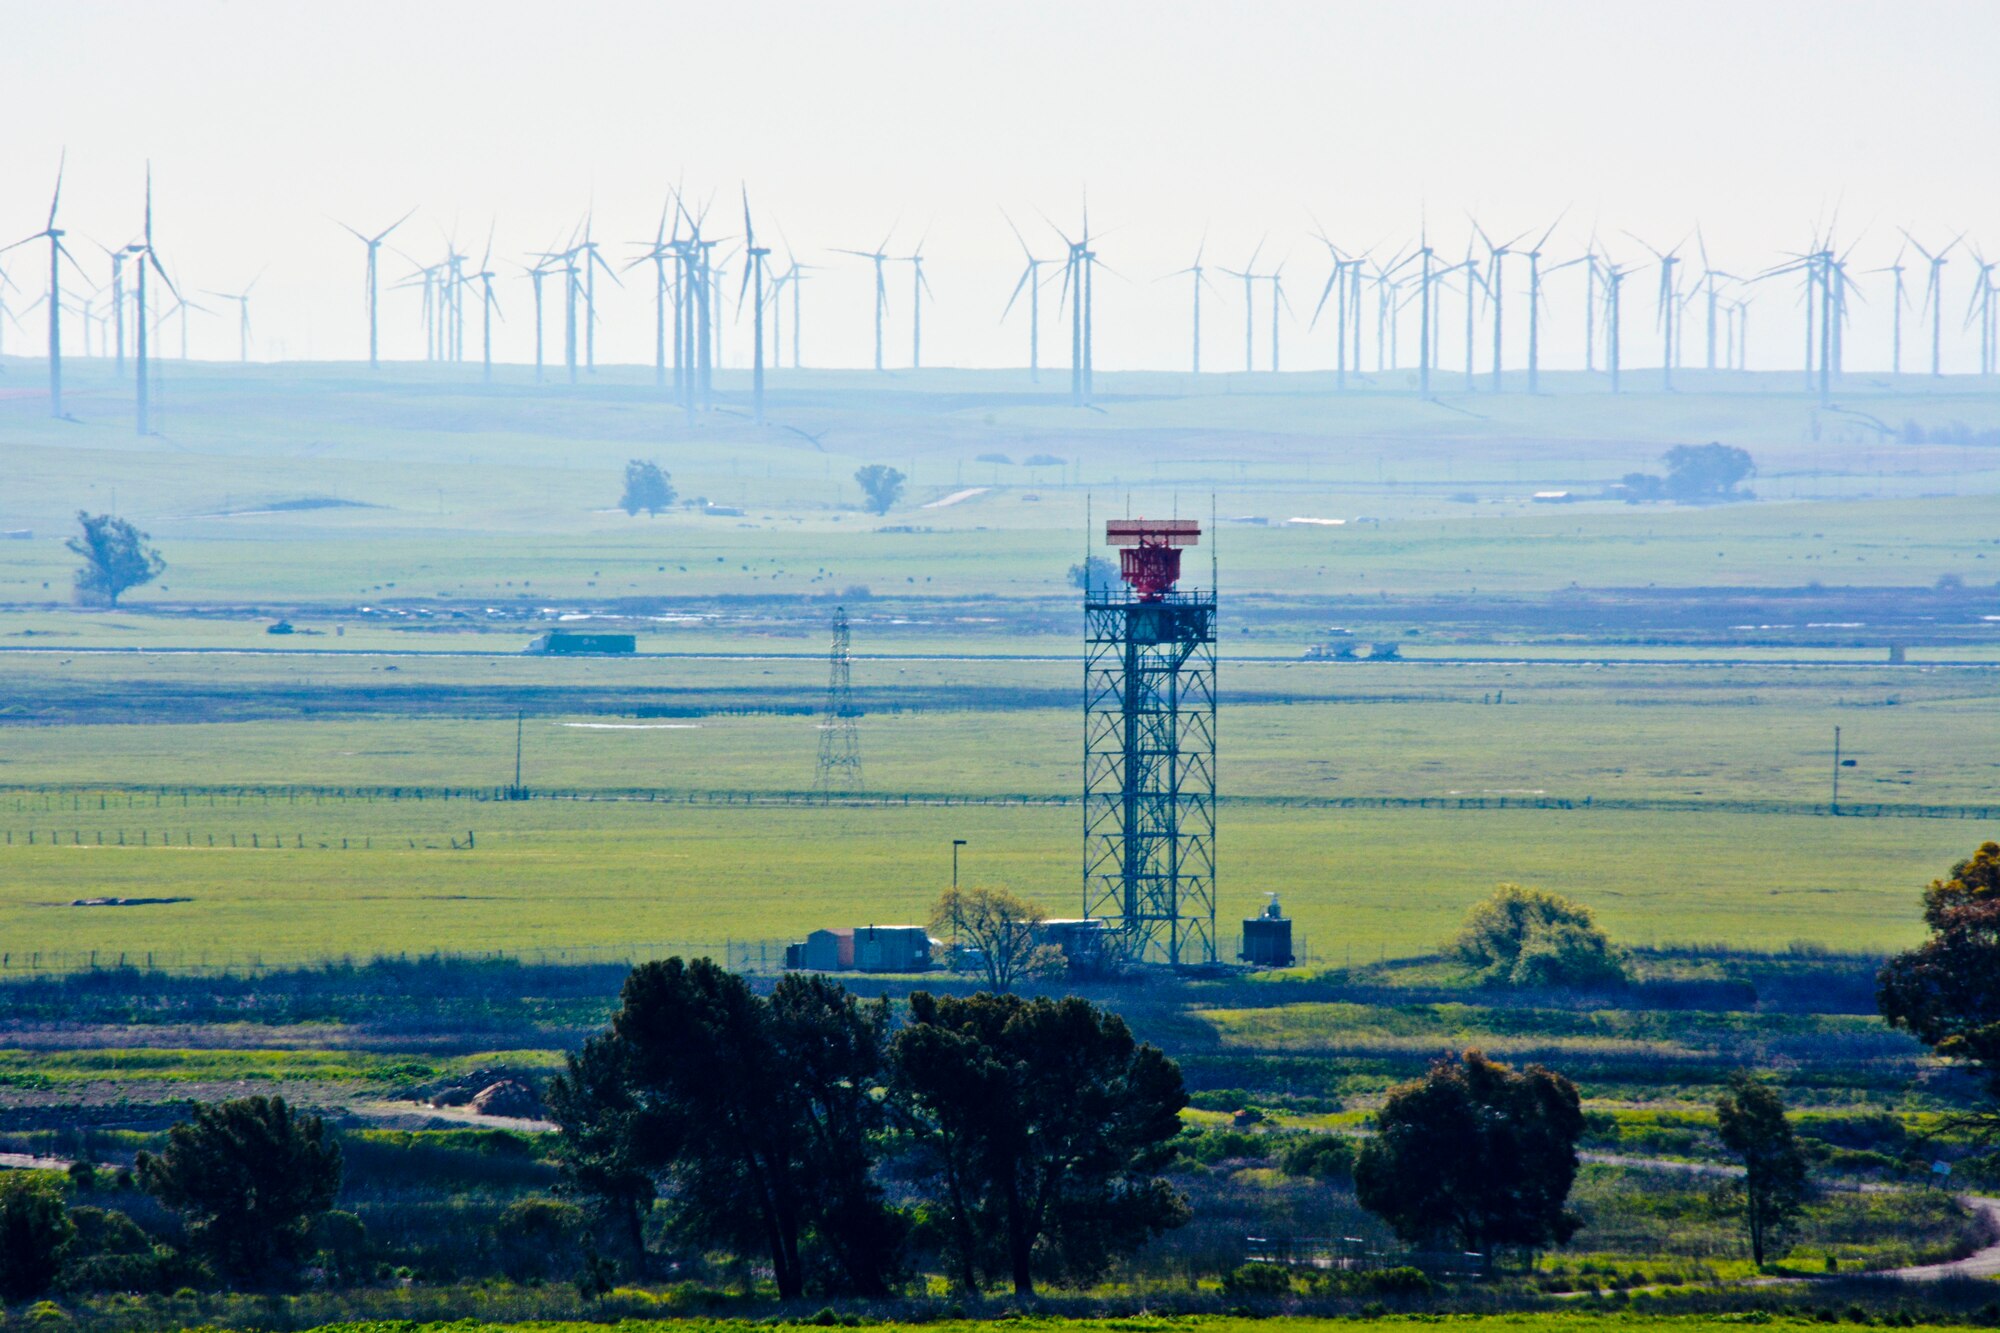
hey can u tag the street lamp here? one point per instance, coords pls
(956, 843)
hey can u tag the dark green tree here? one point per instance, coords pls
(1041, 1127)
(1750, 1118)
(595, 1105)
(646, 487)
(116, 557)
(1706, 472)
(34, 1231)
(881, 485)
(1946, 991)
(1526, 937)
(249, 1179)
(750, 1116)
(1475, 1152)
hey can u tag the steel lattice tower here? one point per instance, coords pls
(839, 743)
(1149, 749)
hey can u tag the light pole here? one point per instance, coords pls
(956, 906)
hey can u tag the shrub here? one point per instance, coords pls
(534, 1237)
(34, 1229)
(1319, 1156)
(1258, 1280)
(1526, 937)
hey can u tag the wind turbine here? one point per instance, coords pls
(6, 315)
(117, 258)
(1079, 289)
(488, 306)
(1981, 309)
(1667, 309)
(753, 276)
(57, 253)
(878, 257)
(1900, 300)
(374, 244)
(1336, 281)
(535, 274)
(1031, 282)
(148, 258)
(1614, 282)
(1934, 294)
(919, 288)
(795, 277)
(592, 261)
(242, 300)
(1535, 305)
(1248, 273)
(1278, 302)
(1496, 290)
(658, 251)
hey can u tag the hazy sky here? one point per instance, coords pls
(264, 118)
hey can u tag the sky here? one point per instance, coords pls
(1188, 126)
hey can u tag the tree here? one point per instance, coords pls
(1526, 937)
(1042, 1127)
(1095, 575)
(752, 1117)
(593, 1103)
(1750, 1117)
(1946, 991)
(249, 1179)
(1706, 472)
(646, 487)
(34, 1231)
(116, 558)
(1477, 1153)
(882, 485)
(1004, 931)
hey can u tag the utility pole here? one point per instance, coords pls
(956, 843)
(1836, 770)
(519, 719)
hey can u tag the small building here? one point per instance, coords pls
(1267, 937)
(829, 951)
(863, 949)
(891, 948)
(1085, 943)
(568, 642)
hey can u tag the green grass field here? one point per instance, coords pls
(471, 517)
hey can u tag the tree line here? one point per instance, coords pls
(1011, 1141)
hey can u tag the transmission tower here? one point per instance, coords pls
(1149, 749)
(839, 744)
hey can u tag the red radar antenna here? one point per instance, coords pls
(1150, 560)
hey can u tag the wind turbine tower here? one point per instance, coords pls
(57, 253)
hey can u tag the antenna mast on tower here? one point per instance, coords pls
(839, 743)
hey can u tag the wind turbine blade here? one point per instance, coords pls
(1020, 286)
(383, 235)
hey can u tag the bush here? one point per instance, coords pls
(1321, 1157)
(534, 1237)
(34, 1229)
(111, 1252)
(1258, 1280)
(1526, 937)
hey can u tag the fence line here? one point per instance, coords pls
(757, 957)
(57, 799)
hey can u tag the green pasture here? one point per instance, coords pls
(506, 494)
(628, 879)
(978, 726)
